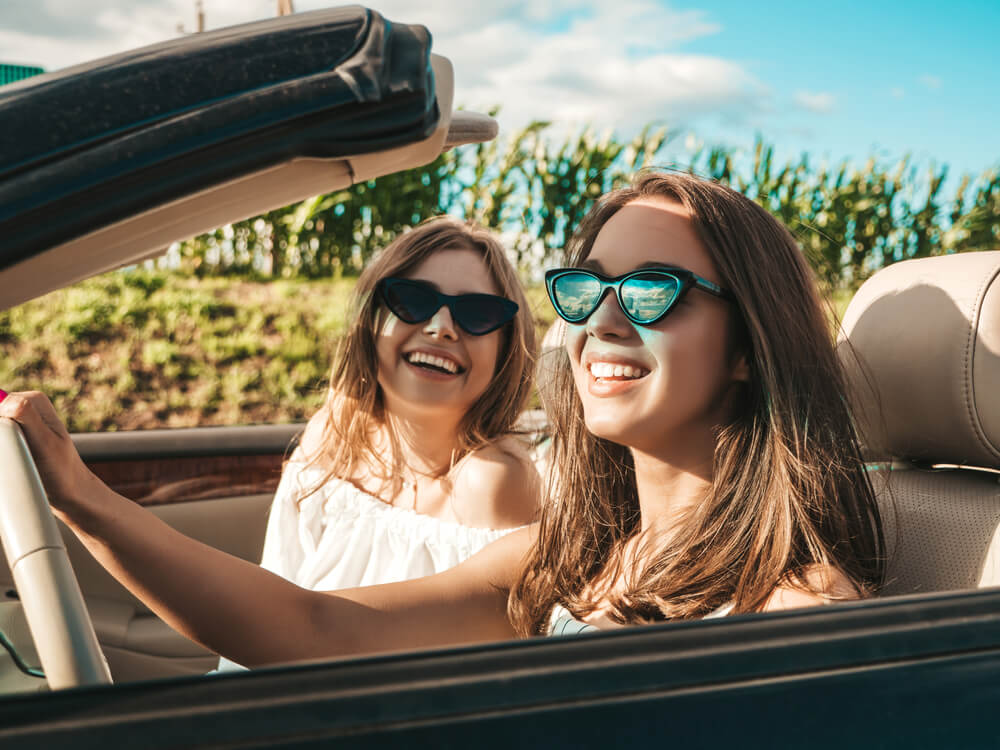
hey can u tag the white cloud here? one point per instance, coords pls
(609, 66)
(23, 48)
(931, 82)
(58, 33)
(897, 92)
(821, 102)
(580, 61)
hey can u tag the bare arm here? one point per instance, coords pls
(826, 585)
(242, 611)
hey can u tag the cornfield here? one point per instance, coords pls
(534, 189)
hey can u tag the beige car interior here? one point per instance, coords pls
(925, 369)
(135, 643)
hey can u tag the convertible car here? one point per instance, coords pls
(106, 164)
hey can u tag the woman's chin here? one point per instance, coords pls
(608, 428)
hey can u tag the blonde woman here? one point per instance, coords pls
(410, 467)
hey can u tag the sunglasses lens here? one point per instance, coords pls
(411, 303)
(647, 296)
(476, 314)
(575, 295)
(481, 313)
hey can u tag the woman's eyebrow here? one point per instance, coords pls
(428, 282)
(595, 265)
(657, 264)
(437, 288)
(592, 265)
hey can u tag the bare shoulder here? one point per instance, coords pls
(311, 442)
(825, 585)
(498, 486)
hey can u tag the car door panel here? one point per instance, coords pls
(912, 672)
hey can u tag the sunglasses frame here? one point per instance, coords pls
(686, 280)
(509, 306)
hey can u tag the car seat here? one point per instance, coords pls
(921, 346)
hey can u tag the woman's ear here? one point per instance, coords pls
(741, 370)
(739, 350)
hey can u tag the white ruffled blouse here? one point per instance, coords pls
(341, 537)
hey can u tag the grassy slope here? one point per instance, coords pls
(139, 350)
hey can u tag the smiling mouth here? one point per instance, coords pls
(434, 363)
(609, 371)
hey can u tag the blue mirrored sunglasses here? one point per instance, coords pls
(645, 295)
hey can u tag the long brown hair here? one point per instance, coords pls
(354, 407)
(789, 489)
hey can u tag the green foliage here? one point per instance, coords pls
(148, 348)
(569, 179)
(535, 189)
(138, 349)
(175, 351)
(975, 218)
(528, 187)
(323, 236)
(851, 222)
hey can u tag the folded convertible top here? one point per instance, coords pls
(99, 142)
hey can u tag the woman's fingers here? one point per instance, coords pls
(47, 413)
(55, 455)
(36, 415)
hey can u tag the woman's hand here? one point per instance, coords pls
(66, 478)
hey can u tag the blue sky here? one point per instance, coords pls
(841, 82)
(916, 77)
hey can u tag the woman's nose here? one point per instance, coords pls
(441, 324)
(608, 319)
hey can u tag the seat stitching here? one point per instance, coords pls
(969, 394)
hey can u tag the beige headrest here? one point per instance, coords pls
(926, 334)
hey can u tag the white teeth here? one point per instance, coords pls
(429, 359)
(609, 370)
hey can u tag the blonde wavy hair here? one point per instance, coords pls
(354, 408)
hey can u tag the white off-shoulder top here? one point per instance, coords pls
(341, 537)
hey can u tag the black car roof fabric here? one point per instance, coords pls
(96, 143)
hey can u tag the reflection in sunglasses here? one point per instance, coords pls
(647, 299)
(643, 298)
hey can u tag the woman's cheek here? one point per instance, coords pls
(576, 337)
(485, 355)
